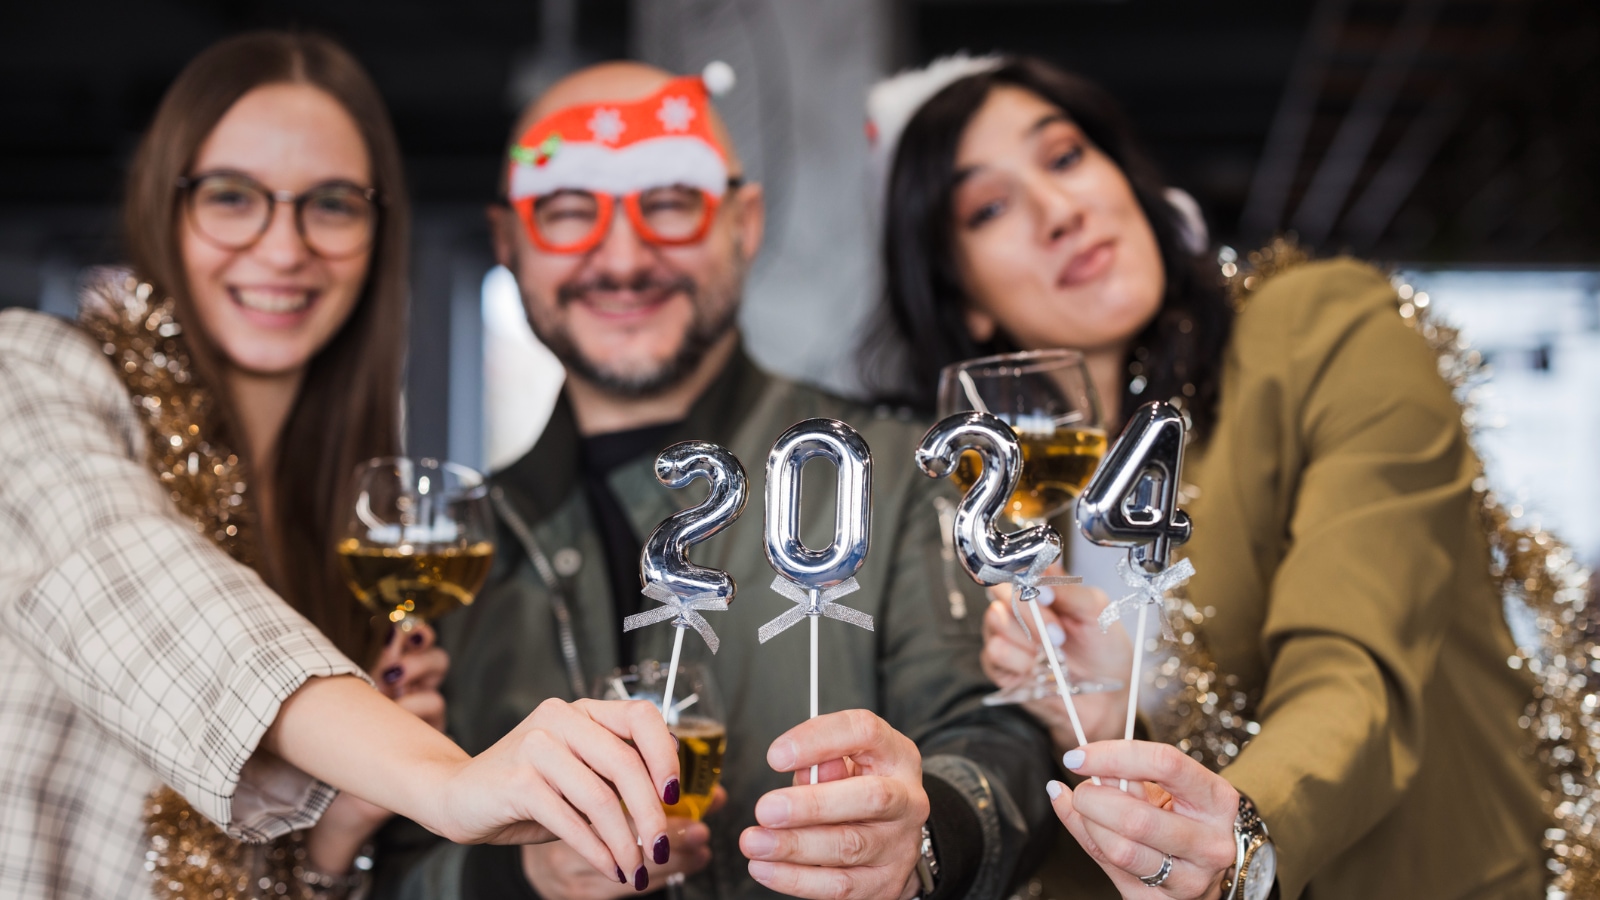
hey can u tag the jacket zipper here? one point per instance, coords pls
(558, 595)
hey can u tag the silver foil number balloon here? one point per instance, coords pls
(664, 566)
(665, 558)
(1132, 500)
(988, 555)
(852, 517)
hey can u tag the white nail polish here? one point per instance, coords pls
(1053, 788)
(1047, 596)
(1057, 636)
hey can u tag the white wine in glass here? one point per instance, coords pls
(1049, 402)
(419, 538)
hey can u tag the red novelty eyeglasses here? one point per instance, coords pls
(576, 221)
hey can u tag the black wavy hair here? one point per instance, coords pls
(920, 326)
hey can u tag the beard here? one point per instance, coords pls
(715, 313)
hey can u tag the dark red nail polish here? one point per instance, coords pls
(641, 879)
(669, 796)
(661, 851)
(621, 878)
(416, 639)
(392, 674)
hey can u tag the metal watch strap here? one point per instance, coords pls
(1246, 826)
(927, 864)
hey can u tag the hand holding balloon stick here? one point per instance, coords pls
(1132, 501)
(988, 555)
(814, 579)
(684, 588)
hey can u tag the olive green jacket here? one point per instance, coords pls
(545, 627)
(1336, 537)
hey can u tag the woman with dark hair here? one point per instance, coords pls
(181, 669)
(1343, 649)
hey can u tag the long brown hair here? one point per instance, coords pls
(348, 408)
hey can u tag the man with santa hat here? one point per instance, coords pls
(630, 228)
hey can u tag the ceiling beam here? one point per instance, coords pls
(1325, 197)
(1280, 157)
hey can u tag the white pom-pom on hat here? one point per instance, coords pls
(1191, 223)
(892, 102)
(718, 78)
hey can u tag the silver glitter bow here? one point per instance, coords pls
(683, 611)
(1028, 583)
(1147, 589)
(813, 603)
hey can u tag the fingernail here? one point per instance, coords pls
(669, 795)
(416, 639)
(1072, 759)
(1046, 596)
(621, 878)
(392, 674)
(760, 842)
(774, 810)
(1057, 635)
(761, 871)
(641, 879)
(1053, 788)
(661, 850)
(782, 755)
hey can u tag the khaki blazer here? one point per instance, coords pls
(1336, 536)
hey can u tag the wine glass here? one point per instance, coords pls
(419, 538)
(1048, 400)
(695, 718)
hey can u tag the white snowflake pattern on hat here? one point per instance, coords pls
(606, 125)
(675, 113)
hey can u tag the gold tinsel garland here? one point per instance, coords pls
(189, 857)
(1210, 716)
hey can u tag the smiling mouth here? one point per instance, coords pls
(273, 302)
(618, 304)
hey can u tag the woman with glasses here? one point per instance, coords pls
(1342, 721)
(182, 670)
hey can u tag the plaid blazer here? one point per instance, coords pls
(133, 651)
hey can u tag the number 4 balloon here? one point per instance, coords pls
(1132, 501)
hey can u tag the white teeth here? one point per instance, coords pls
(272, 301)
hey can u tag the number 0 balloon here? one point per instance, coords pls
(815, 579)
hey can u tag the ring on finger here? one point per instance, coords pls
(1161, 874)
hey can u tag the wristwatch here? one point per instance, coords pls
(927, 864)
(1255, 867)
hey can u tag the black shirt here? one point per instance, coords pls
(598, 457)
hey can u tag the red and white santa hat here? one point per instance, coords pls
(619, 148)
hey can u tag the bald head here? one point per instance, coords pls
(612, 82)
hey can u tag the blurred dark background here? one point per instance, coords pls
(1432, 133)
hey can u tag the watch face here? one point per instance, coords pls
(1261, 872)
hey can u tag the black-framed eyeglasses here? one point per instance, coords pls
(336, 219)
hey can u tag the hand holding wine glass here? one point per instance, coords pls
(1071, 613)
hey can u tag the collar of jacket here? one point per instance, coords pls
(547, 475)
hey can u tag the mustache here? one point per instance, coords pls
(644, 282)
